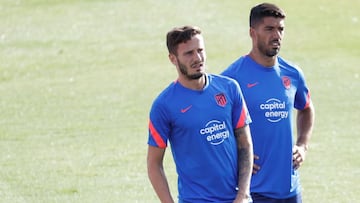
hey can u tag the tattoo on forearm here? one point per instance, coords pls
(245, 166)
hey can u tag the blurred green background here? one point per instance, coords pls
(77, 79)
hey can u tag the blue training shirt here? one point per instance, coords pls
(199, 126)
(271, 94)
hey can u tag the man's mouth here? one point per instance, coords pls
(197, 65)
(275, 43)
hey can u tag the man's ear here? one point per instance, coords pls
(172, 58)
(252, 32)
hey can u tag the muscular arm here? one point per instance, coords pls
(157, 175)
(305, 123)
(245, 161)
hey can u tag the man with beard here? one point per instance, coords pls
(272, 88)
(205, 120)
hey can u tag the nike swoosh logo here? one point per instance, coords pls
(250, 85)
(186, 109)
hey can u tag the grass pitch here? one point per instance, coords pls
(77, 79)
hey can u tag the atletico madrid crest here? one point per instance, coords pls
(220, 99)
(286, 82)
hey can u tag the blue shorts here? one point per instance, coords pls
(257, 198)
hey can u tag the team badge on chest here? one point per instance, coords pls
(286, 82)
(220, 99)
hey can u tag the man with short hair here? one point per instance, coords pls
(272, 88)
(205, 120)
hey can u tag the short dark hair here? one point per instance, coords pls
(263, 10)
(180, 35)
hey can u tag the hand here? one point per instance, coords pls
(299, 153)
(242, 199)
(256, 168)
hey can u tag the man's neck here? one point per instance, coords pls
(194, 84)
(263, 60)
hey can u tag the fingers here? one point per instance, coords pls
(298, 157)
(297, 161)
(256, 167)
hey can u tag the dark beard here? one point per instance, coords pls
(272, 52)
(268, 52)
(184, 71)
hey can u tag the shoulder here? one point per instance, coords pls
(222, 79)
(225, 83)
(165, 95)
(290, 66)
(290, 69)
(239, 61)
(234, 66)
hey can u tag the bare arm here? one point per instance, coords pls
(157, 175)
(245, 161)
(305, 123)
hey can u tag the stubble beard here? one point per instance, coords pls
(270, 52)
(183, 69)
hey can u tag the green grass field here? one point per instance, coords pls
(77, 78)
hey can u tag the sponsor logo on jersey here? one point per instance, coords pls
(220, 99)
(215, 131)
(274, 110)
